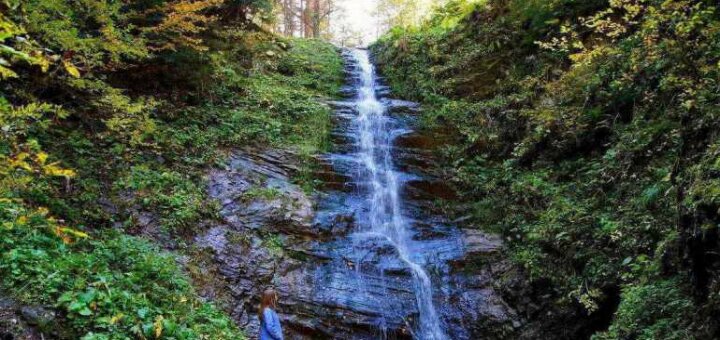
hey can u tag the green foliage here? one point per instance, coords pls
(451, 13)
(262, 193)
(177, 198)
(25, 53)
(111, 110)
(93, 29)
(585, 133)
(274, 244)
(113, 286)
(652, 311)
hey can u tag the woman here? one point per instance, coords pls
(269, 321)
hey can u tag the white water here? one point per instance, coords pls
(385, 218)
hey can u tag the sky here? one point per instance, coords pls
(358, 14)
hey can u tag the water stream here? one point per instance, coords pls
(380, 183)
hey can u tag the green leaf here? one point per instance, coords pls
(76, 305)
(143, 312)
(87, 297)
(85, 312)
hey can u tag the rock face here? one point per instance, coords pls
(22, 322)
(334, 282)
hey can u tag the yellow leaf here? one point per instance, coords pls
(116, 318)
(7, 73)
(21, 164)
(42, 158)
(44, 64)
(22, 156)
(158, 326)
(71, 69)
(73, 232)
(54, 170)
(66, 234)
(64, 237)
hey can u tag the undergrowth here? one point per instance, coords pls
(111, 113)
(585, 133)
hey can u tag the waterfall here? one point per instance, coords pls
(382, 187)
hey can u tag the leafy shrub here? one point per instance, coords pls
(179, 199)
(105, 104)
(585, 133)
(652, 311)
(113, 286)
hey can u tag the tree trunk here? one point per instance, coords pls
(289, 17)
(308, 18)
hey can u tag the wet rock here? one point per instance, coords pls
(383, 91)
(255, 193)
(478, 242)
(396, 106)
(431, 231)
(342, 106)
(339, 225)
(429, 190)
(412, 161)
(314, 278)
(37, 316)
(347, 92)
(416, 141)
(338, 279)
(19, 322)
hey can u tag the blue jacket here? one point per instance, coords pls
(270, 328)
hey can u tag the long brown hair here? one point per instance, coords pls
(269, 299)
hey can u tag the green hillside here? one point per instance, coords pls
(586, 133)
(108, 108)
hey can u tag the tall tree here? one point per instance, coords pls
(289, 16)
(305, 18)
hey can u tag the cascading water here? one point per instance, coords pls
(377, 175)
